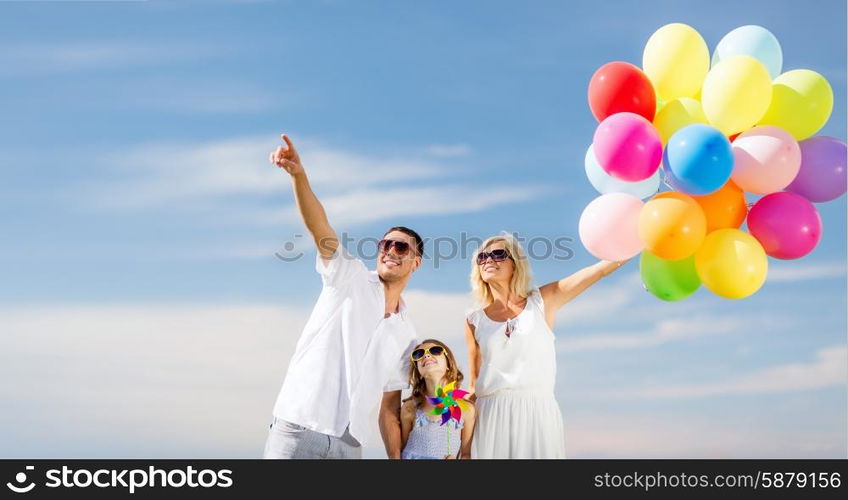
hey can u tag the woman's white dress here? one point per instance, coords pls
(517, 412)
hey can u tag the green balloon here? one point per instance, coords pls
(669, 280)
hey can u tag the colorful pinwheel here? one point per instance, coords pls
(449, 403)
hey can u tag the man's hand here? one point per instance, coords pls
(307, 203)
(287, 157)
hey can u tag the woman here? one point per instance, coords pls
(512, 355)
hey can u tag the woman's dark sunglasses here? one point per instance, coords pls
(497, 255)
(401, 247)
(433, 350)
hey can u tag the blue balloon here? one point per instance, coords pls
(698, 160)
(605, 183)
(754, 41)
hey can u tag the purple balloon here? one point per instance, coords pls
(823, 169)
(786, 224)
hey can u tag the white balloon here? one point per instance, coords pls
(605, 183)
(754, 41)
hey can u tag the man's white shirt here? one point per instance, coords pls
(348, 353)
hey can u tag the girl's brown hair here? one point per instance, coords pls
(419, 386)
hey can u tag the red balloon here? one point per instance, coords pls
(621, 87)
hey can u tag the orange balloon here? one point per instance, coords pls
(726, 208)
(672, 225)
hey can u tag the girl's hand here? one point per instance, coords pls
(450, 457)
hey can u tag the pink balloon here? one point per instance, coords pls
(766, 159)
(786, 224)
(609, 226)
(628, 147)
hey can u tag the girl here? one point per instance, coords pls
(422, 435)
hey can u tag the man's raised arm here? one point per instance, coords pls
(310, 208)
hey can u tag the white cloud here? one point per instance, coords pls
(149, 92)
(620, 299)
(592, 435)
(662, 332)
(829, 369)
(595, 303)
(354, 188)
(381, 203)
(187, 380)
(152, 174)
(795, 271)
(49, 58)
(621, 302)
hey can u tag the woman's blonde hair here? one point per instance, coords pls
(521, 283)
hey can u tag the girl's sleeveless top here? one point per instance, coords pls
(431, 440)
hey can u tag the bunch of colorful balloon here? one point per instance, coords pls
(718, 128)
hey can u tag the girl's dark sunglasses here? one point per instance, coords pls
(401, 247)
(433, 350)
(497, 255)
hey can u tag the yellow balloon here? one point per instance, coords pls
(676, 60)
(731, 263)
(736, 94)
(801, 103)
(676, 114)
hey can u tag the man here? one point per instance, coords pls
(355, 345)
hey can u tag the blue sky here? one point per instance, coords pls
(140, 217)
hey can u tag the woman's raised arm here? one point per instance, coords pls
(558, 293)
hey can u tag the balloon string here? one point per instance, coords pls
(665, 177)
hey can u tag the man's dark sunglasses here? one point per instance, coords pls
(401, 247)
(497, 255)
